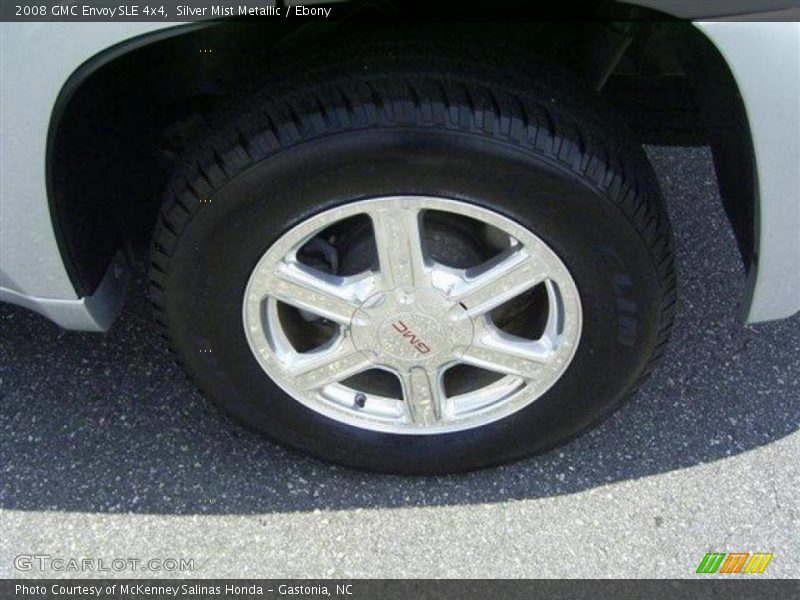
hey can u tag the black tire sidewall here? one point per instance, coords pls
(607, 257)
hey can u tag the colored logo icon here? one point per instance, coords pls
(734, 562)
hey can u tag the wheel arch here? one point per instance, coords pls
(94, 213)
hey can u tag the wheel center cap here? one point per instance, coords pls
(412, 335)
(409, 328)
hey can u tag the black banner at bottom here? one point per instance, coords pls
(389, 589)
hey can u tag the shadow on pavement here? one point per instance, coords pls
(105, 423)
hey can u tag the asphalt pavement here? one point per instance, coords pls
(107, 451)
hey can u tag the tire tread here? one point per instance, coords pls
(484, 92)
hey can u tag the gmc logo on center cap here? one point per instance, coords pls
(415, 341)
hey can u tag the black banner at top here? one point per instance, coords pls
(183, 11)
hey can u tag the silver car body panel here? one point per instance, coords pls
(764, 59)
(89, 313)
(36, 60)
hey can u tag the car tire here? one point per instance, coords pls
(521, 142)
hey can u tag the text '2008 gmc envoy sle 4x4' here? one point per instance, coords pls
(403, 246)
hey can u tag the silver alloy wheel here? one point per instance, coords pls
(413, 317)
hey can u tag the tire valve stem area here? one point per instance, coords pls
(360, 400)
